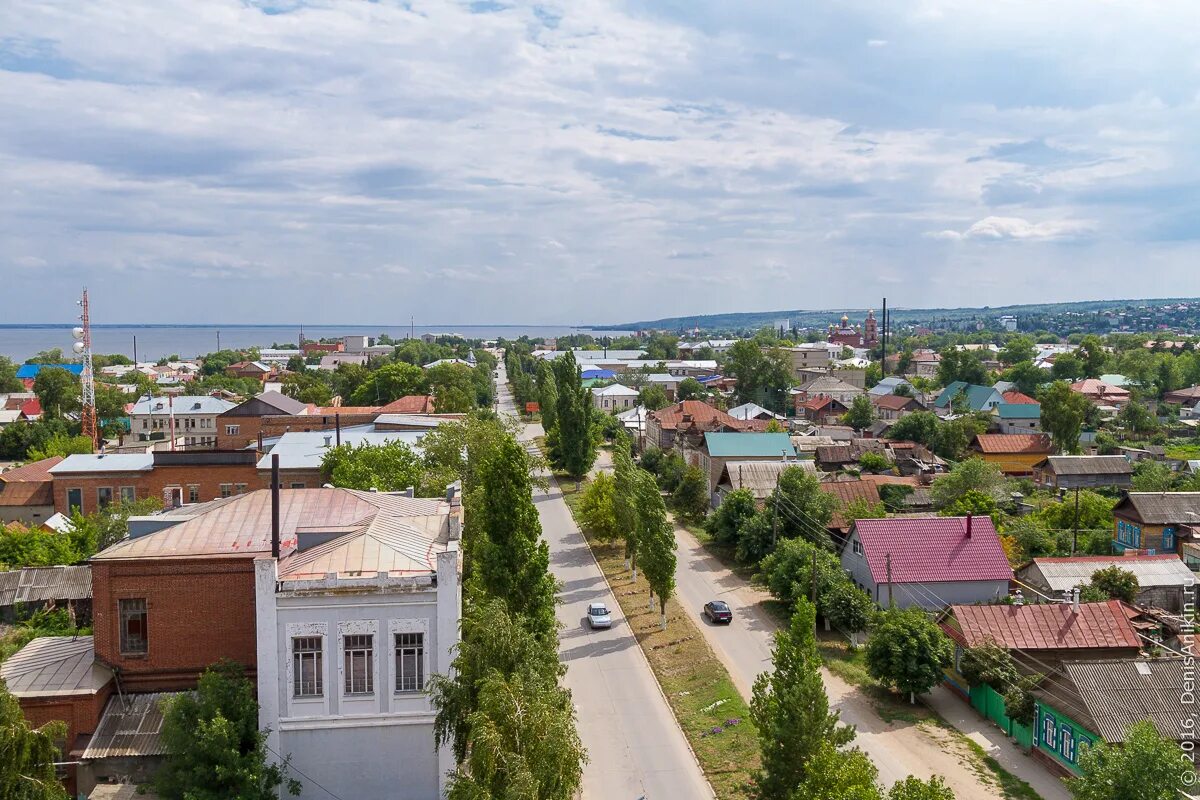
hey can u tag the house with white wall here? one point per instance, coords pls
(350, 626)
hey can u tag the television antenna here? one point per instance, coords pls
(83, 348)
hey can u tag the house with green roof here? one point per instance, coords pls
(978, 398)
(716, 449)
(1017, 418)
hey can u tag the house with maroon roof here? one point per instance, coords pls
(895, 406)
(927, 562)
(1041, 637)
(410, 404)
(1102, 393)
(695, 418)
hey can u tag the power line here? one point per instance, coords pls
(302, 775)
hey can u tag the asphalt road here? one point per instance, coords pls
(635, 748)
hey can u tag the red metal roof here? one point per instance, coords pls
(1008, 443)
(32, 408)
(33, 471)
(1047, 627)
(933, 549)
(410, 404)
(701, 414)
(893, 402)
(1013, 397)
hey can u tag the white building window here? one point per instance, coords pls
(856, 545)
(232, 430)
(358, 653)
(410, 662)
(226, 489)
(307, 666)
(128, 494)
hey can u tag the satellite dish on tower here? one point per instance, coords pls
(77, 347)
(78, 334)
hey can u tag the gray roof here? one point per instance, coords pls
(1089, 465)
(120, 791)
(614, 390)
(828, 383)
(752, 411)
(285, 404)
(306, 449)
(888, 385)
(53, 666)
(131, 725)
(663, 377)
(1156, 508)
(1062, 574)
(39, 584)
(413, 420)
(182, 406)
(1118, 693)
(760, 477)
(104, 462)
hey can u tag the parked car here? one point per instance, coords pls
(718, 611)
(598, 616)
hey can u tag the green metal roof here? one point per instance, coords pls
(1019, 411)
(977, 396)
(749, 445)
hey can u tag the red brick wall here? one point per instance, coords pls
(208, 477)
(248, 429)
(279, 425)
(199, 611)
(82, 715)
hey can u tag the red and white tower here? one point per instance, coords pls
(83, 348)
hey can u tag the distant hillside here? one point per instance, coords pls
(815, 318)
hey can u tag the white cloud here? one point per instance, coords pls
(1017, 228)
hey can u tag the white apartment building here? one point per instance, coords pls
(350, 626)
(192, 417)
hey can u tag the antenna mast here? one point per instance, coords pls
(83, 347)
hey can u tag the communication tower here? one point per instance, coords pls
(83, 348)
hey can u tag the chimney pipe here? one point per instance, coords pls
(1075, 600)
(328, 439)
(337, 427)
(969, 519)
(275, 506)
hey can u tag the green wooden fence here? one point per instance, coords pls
(990, 703)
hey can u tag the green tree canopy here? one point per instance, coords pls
(972, 474)
(597, 513)
(1116, 583)
(576, 448)
(60, 444)
(656, 541)
(389, 467)
(215, 749)
(961, 365)
(453, 388)
(690, 498)
(690, 389)
(653, 397)
(1146, 766)
(725, 524)
(912, 788)
(907, 651)
(57, 389)
(861, 413)
(8, 376)
(27, 754)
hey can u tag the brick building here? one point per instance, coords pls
(180, 478)
(241, 425)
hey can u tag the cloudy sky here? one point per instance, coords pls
(585, 161)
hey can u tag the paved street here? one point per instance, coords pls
(634, 745)
(898, 749)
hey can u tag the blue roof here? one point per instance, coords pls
(708, 378)
(589, 374)
(749, 445)
(31, 370)
(1019, 411)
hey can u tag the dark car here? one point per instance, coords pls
(718, 611)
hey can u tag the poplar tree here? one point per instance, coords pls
(547, 389)
(576, 451)
(790, 708)
(511, 558)
(27, 754)
(625, 509)
(656, 541)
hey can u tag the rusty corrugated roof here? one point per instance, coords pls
(1053, 626)
(39, 584)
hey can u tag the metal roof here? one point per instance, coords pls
(39, 584)
(977, 396)
(1009, 443)
(306, 449)
(1118, 693)
(1054, 626)
(120, 791)
(933, 549)
(760, 477)
(53, 666)
(33, 471)
(104, 462)
(23, 494)
(1163, 508)
(1089, 465)
(733, 445)
(1062, 574)
(31, 370)
(240, 526)
(182, 406)
(131, 725)
(615, 389)
(1019, 411)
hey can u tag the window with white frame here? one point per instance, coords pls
(857, 547)
(307, 666)
(226, 489)
(128, 494)
(358, 654)
(193, 493)
(232, 430)
(410, 662)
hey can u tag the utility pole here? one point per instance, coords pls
(775, 521)
(814, 591)
(889, 580)
(218, 341)
(135, 351)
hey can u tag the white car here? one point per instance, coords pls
(598, 616)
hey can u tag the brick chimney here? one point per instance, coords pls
(970, 517)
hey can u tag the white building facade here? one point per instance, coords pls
(350, 628)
